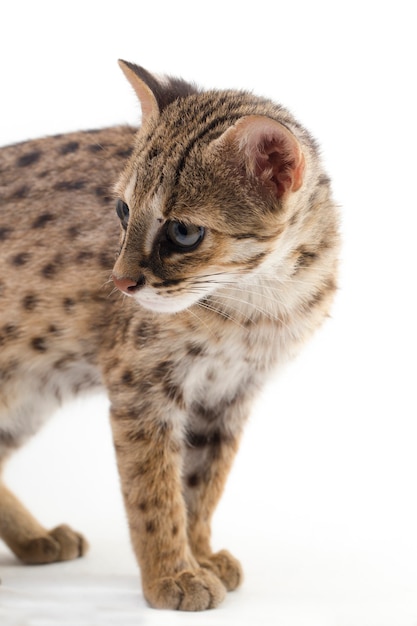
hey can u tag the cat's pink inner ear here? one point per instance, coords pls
(147, 100)
(271, 153)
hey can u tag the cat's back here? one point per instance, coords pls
(58, 239)
(58, 229)
(60, 185)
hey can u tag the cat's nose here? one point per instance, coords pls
(128, 285)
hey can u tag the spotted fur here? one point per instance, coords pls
(184, 356)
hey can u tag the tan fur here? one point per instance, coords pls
(183, 358)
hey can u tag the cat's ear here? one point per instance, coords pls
(269, 151)
(154, 94)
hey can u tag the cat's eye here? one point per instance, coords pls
(122, 211)
(184, 236)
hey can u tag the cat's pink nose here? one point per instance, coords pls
(128, 285)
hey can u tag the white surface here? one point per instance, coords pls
(321, 504)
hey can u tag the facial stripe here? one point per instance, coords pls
(129, 192)
(155, 217)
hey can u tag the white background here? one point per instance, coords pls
(321, 504)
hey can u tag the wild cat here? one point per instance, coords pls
(227, 262)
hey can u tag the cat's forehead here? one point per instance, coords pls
(166, 144)
(161, 178)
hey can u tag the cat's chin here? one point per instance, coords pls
(164, 305)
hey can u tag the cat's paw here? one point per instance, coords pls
(193, 590)
(60, 544)
(226, 567)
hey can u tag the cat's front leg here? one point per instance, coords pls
(214, 429)
(209, 456)
(149, 455)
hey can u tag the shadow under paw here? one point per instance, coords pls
(60, 544)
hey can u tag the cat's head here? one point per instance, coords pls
(207, 196)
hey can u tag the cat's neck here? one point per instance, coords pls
(251, 299)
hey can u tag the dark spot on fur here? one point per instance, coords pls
(103, 193)
(139, 469)
(68, 148)
(328, 288)
(125, 153)
(150, 527)
(64, 362)
(127, 378)
(162, 373)
(199, 440)
(157, 503)
(137, 435)
(208, 414)
(30, 301)
(144, 331)
(21, 259)
(143, 506)
(174, 393)
(69, 304)
(5, 232)
(251, 321)
(7, 439)
(324, 180)
(70, 185)
(9, 332)
(84, 255)
(39, 344)
(174, 530)
(194, 349)
(29, 158)
(12, 331)
(305, 257)
(163, 369)
(96, 147)
(49, 270)
(211, 375)
(312, 201)
(153, 153)
(73, 231)
(21, 192)
(196, 441)
(194, 480)
(9, 370)
(42, 220)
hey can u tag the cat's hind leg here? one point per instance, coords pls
(30, 541)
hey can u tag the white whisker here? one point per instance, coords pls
(194, 314)
(210, 306)
(256, 307)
